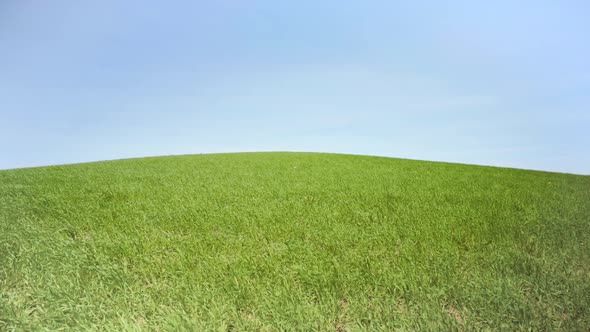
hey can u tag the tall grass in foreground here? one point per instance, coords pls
(293, 241)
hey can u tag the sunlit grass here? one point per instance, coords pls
(293, 241)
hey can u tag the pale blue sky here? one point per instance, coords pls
(503, 83)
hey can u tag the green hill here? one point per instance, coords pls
(293, 241)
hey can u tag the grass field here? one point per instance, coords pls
(293, 241)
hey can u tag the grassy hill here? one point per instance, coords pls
(295, 241)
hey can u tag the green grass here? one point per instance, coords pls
(293, 241)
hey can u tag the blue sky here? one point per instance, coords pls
(503, 83)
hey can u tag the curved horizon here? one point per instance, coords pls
(285, 152)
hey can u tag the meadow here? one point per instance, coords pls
(293, 241)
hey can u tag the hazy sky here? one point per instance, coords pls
(498, 82)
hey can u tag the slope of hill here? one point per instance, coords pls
(275, 241)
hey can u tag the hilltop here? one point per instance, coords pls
(295, 241)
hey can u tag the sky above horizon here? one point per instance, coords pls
(502, 83)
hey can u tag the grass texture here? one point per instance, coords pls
(293, 241)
